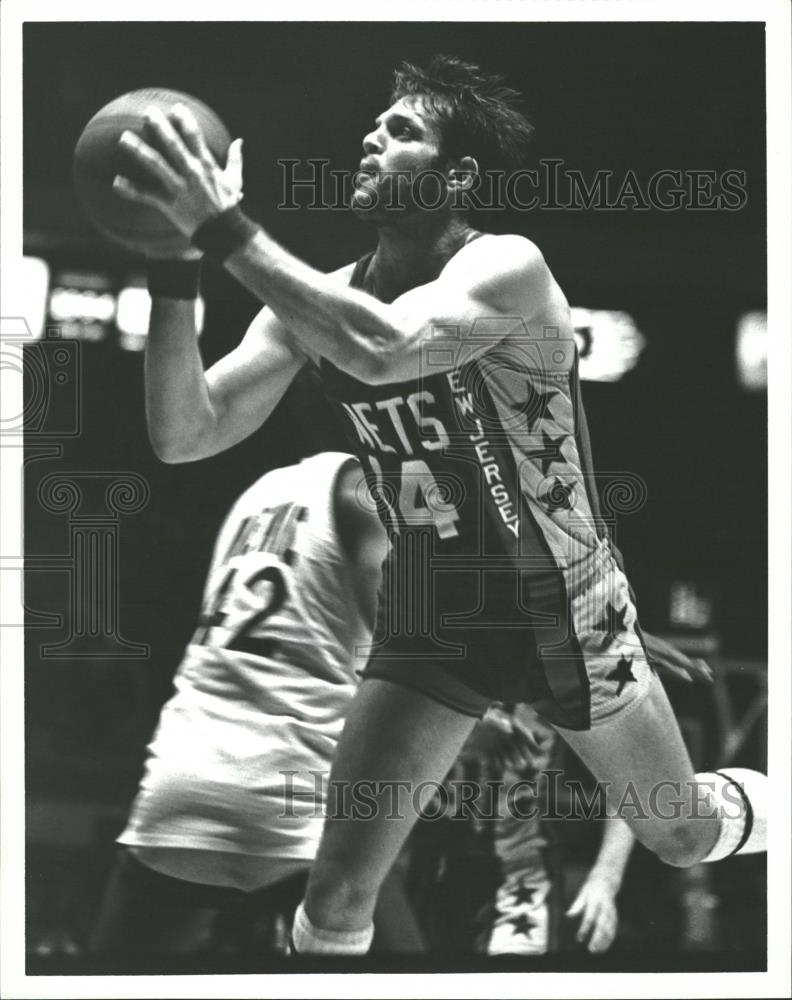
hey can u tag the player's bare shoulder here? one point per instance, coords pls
(506, 270)
(506, 252)
(342, 275)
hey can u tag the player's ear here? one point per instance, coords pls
(462, 173)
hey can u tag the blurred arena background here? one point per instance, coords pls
(688, 418)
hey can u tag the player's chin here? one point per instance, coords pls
(382, 206)
(368, 206)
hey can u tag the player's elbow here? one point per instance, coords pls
(174, 446)
(373, 369)
(175, 457)
(186, 432)
(366, 364)
(379, 363)
(170, 451)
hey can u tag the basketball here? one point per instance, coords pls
(98, 158)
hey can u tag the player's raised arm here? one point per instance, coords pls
(498, 277)
(192, 414)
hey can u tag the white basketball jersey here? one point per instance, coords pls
(243, 747)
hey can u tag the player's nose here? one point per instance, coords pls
(372, 143)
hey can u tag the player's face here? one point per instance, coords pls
(402, 146)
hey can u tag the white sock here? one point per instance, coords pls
(310, 940)
(740, 796)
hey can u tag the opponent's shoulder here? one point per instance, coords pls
(357, 523)
(351, 509)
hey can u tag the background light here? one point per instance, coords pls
(82, 305)
(78, 304)
(609, 343)
(752, 350)
(25, 295)
(132, 317)
(690, 607)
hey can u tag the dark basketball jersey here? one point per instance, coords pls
(500, 564)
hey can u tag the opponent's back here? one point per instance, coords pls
(266, 680)
(279, 587)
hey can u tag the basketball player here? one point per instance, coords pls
(231, 805)
(490, 877)
(450, 354)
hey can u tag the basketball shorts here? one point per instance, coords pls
(468, 637)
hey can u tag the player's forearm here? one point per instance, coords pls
(352, 330)
(345, 326)
(179, 410)
(614, 853)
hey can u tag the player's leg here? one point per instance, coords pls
(392, 734)
(641, 760)
(145, 912)
(259, 925)
(396, 927)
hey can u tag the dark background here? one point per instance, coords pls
(602, 96)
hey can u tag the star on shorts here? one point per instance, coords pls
(611, 623)
(524, 893)
(558, 496)
(522, 924)
(623, 673)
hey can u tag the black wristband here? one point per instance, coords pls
(173, 279)
(225, 233)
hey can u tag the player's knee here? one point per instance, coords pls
(680, 845)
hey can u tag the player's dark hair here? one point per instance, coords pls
(478, 115)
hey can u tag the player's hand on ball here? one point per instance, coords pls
(595, 904)
(187, 184)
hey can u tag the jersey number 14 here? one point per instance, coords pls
(420, 500)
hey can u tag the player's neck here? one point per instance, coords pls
(415, 250)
